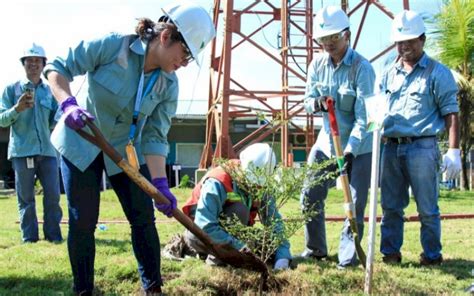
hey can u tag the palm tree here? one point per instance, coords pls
(454, 40)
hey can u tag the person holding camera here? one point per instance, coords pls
(28, 108)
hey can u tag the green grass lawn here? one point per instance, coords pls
(43, 268)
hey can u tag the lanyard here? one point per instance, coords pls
(138, 100)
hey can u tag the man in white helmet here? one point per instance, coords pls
(132, 96)
(348, 78)
(218, 194)
(422, 102)
(28, 108)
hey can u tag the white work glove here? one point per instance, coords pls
(452, 163)
(282, 264)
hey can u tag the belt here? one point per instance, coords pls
(404, 140)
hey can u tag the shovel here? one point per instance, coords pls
(348, 204)
(225, 252)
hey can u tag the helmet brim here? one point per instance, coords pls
(404, 37)
(327, 33)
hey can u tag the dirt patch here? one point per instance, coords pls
(228, 281)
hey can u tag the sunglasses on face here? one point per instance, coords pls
(330, 38)
(189, 57)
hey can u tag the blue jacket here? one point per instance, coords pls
(113, 65)
(30, 130)
(349, 84)
(210, 206)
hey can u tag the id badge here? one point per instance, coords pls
(30, 163)
(132, 156)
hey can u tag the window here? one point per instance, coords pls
(188, 155)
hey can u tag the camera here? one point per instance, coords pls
(30, 91)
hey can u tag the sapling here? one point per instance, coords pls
(277, 187)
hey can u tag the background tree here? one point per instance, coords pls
(454, 41)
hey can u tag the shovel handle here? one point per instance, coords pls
(98, 139)
(332, 117)
(349, 205)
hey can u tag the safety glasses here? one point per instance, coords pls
(189, 56)
(331, 38)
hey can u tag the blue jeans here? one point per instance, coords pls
(46, 169)
(416, 165)
(83, 194)
(315, 230)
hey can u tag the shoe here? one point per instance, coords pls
(310, 255)
(213, 261)
(342, 267)
(424, 261)
(55, 241)
(30, 241)
(177, 249)
(392, 258)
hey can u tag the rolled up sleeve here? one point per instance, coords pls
(445, 90)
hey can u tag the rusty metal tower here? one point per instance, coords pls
(232, 96)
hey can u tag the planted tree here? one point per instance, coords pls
(278, 187)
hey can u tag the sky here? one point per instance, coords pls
(59, 24)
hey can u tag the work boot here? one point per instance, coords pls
(394, 258)
(424, 261)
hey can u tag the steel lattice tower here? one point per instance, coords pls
(230, 97)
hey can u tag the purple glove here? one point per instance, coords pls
(162, 185)
(74, 114)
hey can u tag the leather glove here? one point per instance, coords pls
(162, 185)
(452, 163)
(320, 104)
(74, 114)
(282, 264)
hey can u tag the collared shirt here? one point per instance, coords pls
(349, 83)
(209, 207)
(114, 65)
(30, 130)
(418, 100)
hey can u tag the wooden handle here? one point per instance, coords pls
(349, 207)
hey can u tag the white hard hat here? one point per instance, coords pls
(257, 156)
(194, 24)
(407, 25)
(33, 51)
(330, 20)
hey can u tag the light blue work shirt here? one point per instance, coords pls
(418, 101)
(30, 130)
(349, 83)
(210, 206)
(114, 65)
